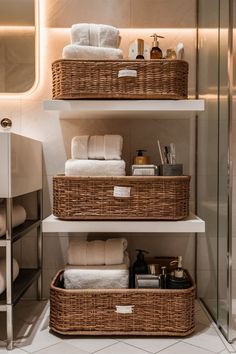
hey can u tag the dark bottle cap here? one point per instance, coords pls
(140, 153)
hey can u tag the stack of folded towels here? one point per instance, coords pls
(93, 41)
(98, 155)
(97, 264)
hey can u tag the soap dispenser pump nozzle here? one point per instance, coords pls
(179, 272)
(155, 43)
(140, 255)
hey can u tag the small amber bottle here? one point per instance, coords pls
(156, 52)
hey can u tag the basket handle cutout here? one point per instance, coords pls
(124, 309)
(121, 192)
(127, 73)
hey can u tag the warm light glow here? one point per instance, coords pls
(212, 96)
(145, 31)
(17, 29)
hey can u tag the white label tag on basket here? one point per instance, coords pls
(121, 192)
(124, 309)
(127, 73)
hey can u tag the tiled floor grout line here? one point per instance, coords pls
(97, 351)
(171, 345)
(38, 351)
(202, 347)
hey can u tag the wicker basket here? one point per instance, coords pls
(153, 198)
(93, 311)
(156, 79)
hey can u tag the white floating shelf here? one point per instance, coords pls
(192, 224)
(69, 108)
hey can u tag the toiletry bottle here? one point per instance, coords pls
(140, 48)
(179, 272)
(156, 52)
(139, 266)
(163, 277)
(140, 159)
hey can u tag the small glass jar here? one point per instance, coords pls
(170, 54)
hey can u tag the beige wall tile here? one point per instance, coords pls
(64, 13)
(207, 286)
(55, 252)
(163, 13)
(29, 259)
(11, 109)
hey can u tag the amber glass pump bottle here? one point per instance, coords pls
(156, 52)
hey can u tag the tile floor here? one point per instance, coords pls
(32, 336)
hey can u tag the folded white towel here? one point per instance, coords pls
(79, 147)
(18, 217)
(96, 278)
(75, 167)
(3, 273)
(113, 147)
(98, 35)
(96, 147)
(108, 147)
(97, 252)
(74, 51)
(114, 250)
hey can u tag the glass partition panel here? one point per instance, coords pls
(223, 301)
(207, 172)
(213, 163)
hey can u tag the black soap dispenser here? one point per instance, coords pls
(156, 52)
(139, 266)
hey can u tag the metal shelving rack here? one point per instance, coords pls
(14, 291)
(20, 177)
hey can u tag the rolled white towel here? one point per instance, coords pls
(3, 273)
(98, 35)
(75, 51)
(97, 252)
(18, 217)
(75, 167)
(96, 147)
(113, 147)
(79, 147)
(114, 250)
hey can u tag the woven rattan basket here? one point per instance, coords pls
(94, 311)
(156, 198)
(126, 79)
